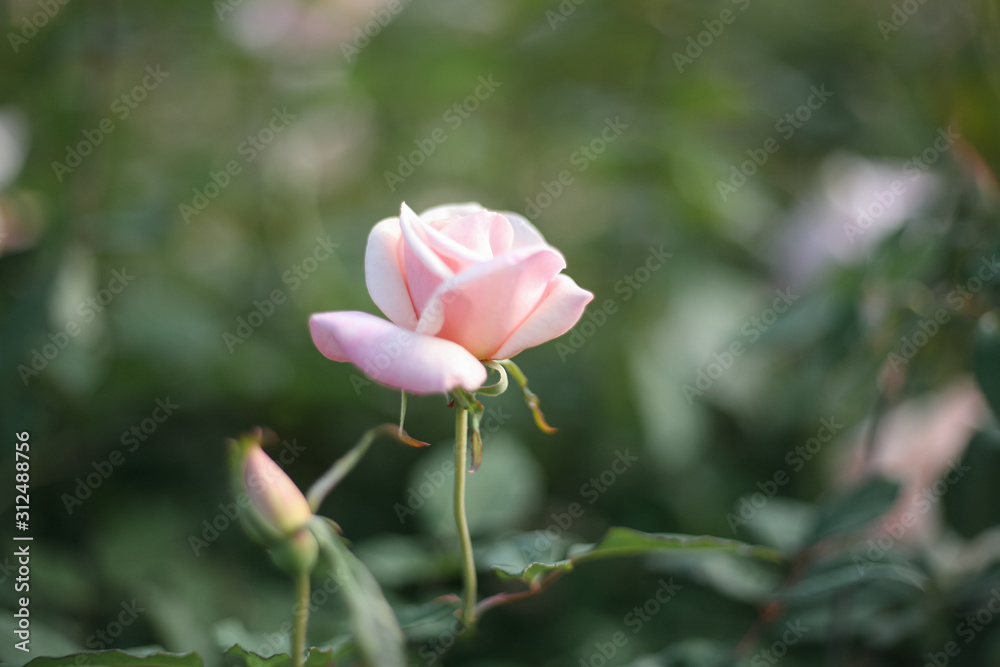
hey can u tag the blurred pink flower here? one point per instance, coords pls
(460, 284)
(919, 443)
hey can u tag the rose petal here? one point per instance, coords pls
(394, 356)
(461, 242)
(479, 233)
(384, 273)
(560, 308)
(480, 308)
(525, 233)
(449, 211)
(424, 270)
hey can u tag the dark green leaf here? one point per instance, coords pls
(986, 359)
(316, 658)
(121, 659)
(850, 512)
(620, 542)
(376, 630)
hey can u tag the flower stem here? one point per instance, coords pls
(301, 619)
(468, 561)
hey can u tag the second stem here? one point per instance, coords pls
(468, 560)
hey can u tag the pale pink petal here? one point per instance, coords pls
(480, 308)
(384, 273)
(425, 271)
(560, 309)
(501, 235)
(525, 234)
(461, 242)
(449, 211)
(394, 356)
(475, 232)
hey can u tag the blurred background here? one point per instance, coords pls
(183, 183)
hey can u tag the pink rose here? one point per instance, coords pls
(460, 285)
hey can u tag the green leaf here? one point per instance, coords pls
(376, 630)
(986, 359)
(118, 658)
(850, 512)
(620, 542)
(315, 658)
(835, 580)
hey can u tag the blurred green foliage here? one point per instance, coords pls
(797, 223)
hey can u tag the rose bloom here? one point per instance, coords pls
(460, 285)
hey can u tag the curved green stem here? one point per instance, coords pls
(468, 560)
(301, 619)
